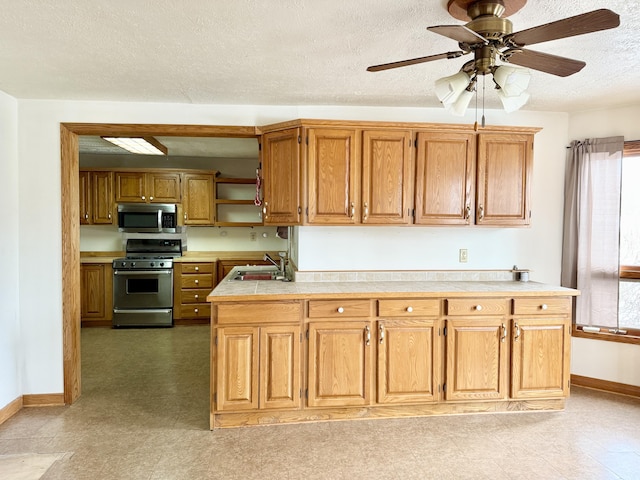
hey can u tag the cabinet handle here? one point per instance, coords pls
(517, 335)
(478, 307)
(503, 337)
(144, 198)
(195, 310)
(151, 199)
(185, 215)
(197, 296)
(409, 309)
(340, 310)
(109, 216)
(366, 210)
(264, 210)
(480, 212)
(86, 216)
(381, 334)
(367, 336)
(467, 213)
(197, 269)
(197, 282)
(353, 210)
(544, 306)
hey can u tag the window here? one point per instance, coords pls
(629, 293)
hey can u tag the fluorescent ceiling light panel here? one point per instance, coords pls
(139, 145)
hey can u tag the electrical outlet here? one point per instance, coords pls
(252, 236)
(463, 255)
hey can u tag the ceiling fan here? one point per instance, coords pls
(490, 37)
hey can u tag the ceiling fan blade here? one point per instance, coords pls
(460, 33)
(413, 61)
(544, 62)
(594, 21)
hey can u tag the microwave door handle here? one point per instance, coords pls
(159, 220)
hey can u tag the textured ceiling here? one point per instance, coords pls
(291, 52)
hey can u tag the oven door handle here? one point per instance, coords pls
(142, 272)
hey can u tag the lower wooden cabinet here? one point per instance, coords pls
(192, 282)
(96, 293)
(258, 368)
(332, 358)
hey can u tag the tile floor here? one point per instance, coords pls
(143, 415)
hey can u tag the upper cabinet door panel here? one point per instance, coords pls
(334, 176)
(130, 187)
(281, 172)
(198, 199)
(504, 178)
(386, 177)
(102, 197)
(444, 178)
(164, 187)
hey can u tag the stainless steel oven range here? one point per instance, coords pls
(143, 283)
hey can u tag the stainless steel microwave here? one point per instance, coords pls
(148, 218)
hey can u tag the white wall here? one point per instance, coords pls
(614, 362)
(10, 348)
(537, 248)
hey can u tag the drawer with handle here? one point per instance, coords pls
(409, 307)
(542, 306)
(195, 295)
(197, 268)
(199, 310)
(197, 281)
(477, 306)
(339, 308)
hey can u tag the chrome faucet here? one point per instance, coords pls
(282, 266)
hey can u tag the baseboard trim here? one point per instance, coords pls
(605, 385)
(10, 409)
(43, 400)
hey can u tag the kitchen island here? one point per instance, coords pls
(328, 350)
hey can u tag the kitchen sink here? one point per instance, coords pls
(255, 274)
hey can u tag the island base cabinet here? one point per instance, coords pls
(257, 368)
(339, 363)
(540, 358)
(408, 361)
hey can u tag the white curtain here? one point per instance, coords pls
(592, 228)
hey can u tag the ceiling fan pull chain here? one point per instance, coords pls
(483, 91)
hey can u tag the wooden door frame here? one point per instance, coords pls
(69, 168)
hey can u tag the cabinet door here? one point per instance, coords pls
(540, 358)
(444, 178)
(102, 198)
(163, 187)
(198, 199)
(130, 187)
(85, 198)
(334, 176)
(504, 177)
(93, 288)
(476, 359)
(281, 172)
(280, 367)
(408, 361)
(387, 177)
(339, 363)
(237, 368)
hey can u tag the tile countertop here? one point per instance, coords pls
(252, 290)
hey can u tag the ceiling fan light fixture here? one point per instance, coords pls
(459, 107)
(139, 145)
(513, 103)
(511, 80)
(448, 89)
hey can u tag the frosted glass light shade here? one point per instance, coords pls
(459, 107)
(448, 89)
(512, 81)
(513, 103)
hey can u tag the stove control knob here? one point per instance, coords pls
(162, 264)
(133, 264)
(124, 264)
(152, 264)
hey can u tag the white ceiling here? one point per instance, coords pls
(291, 52)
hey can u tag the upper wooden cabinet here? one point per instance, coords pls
(445, 174)
(198, 201)
(333, 169)
(96, 198)
(504, 178)
(147, 187)
(281, 173)
(387, 177)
